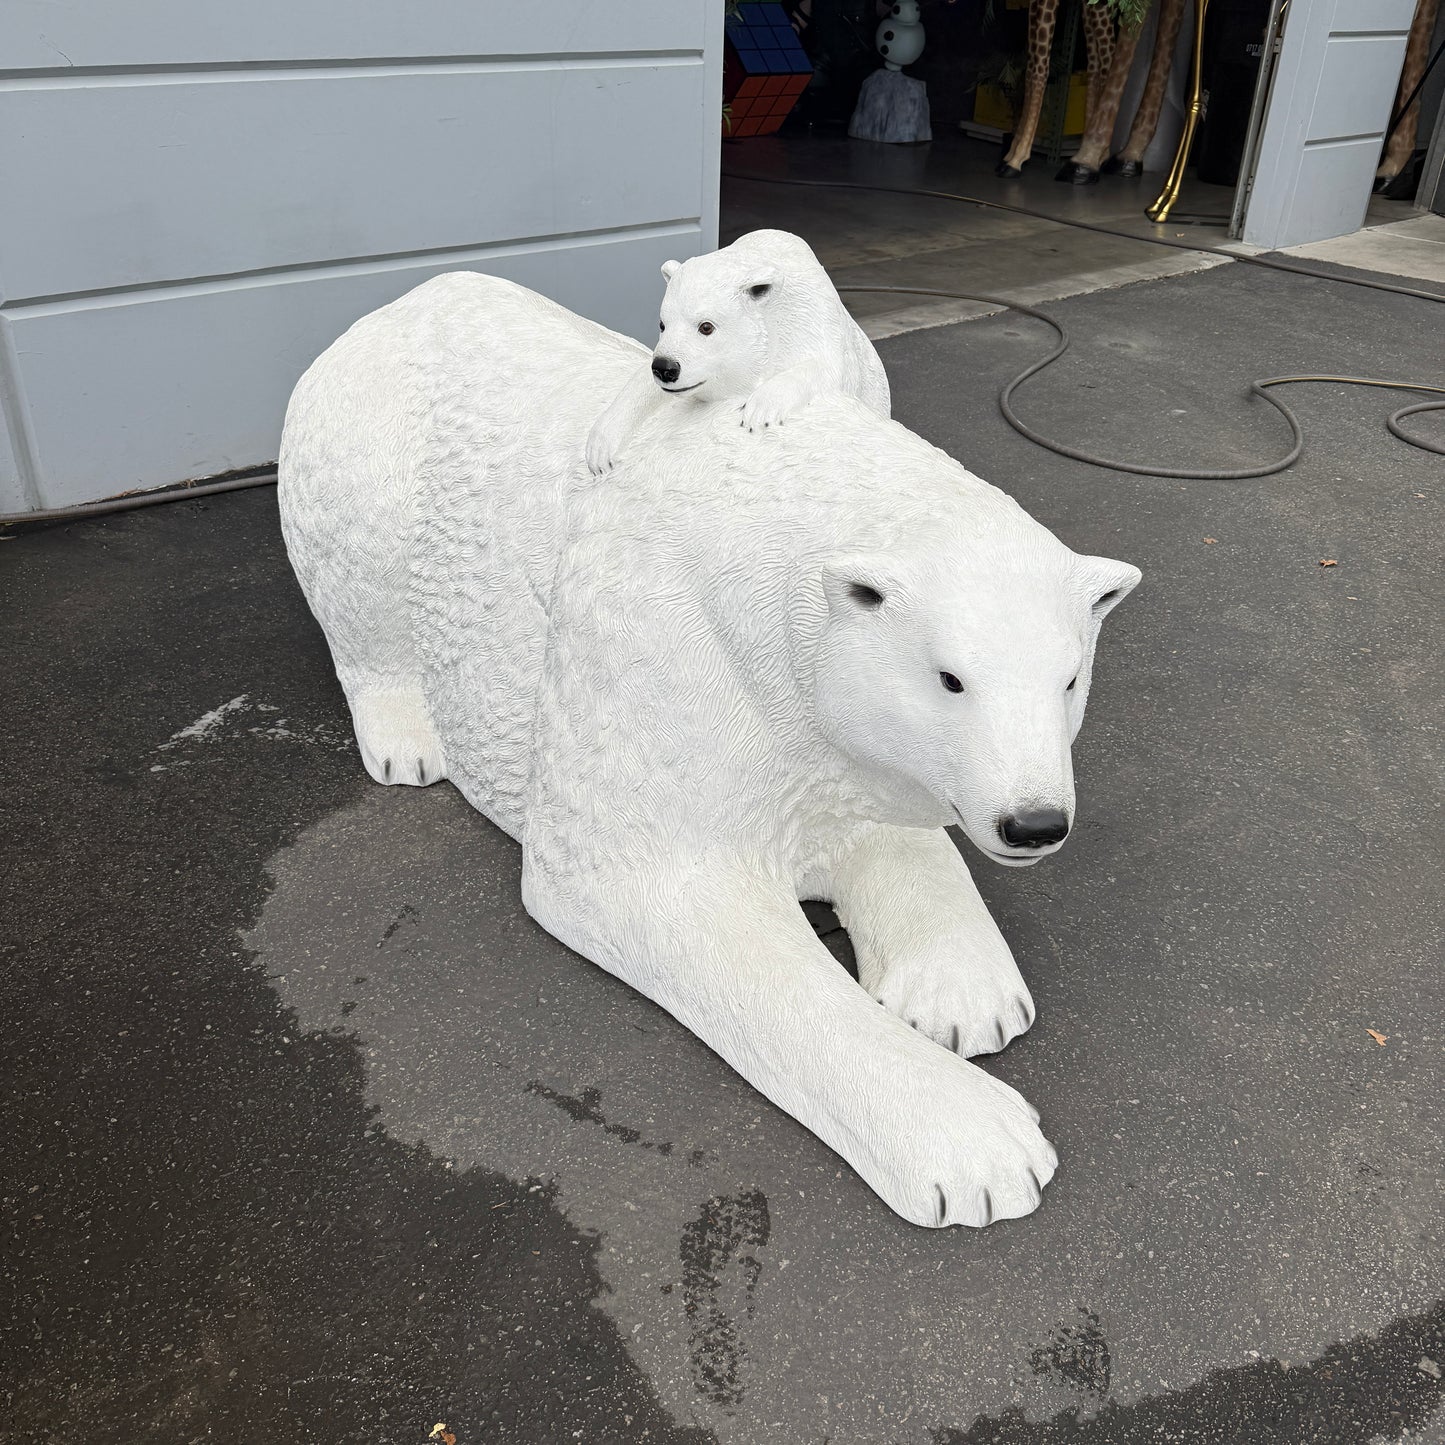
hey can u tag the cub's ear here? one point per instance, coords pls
(854, 585)
(762, 283)
(670, 269)
(1109, 582)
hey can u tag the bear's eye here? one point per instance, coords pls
(1070, 687)
(662, 326)
(950, 682)
(707, 328)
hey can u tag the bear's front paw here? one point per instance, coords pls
(960, 1148)
(968, 1007)
(772, 403)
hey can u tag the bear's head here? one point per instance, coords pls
(712, 335)
(958, 675)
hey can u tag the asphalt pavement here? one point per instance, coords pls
(312, 1135)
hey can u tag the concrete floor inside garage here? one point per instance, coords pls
(313, 1135)
(887, 239)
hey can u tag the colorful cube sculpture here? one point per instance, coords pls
(765, 70)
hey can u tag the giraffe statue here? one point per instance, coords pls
(1401, 145)
(1110, 61)
(1098, 45)
(1092, 157)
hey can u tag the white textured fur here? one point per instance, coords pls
(662, 684)
(769, 354)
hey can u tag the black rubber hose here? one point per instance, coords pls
(1258, 387)
(130, 502)
(1393, 422)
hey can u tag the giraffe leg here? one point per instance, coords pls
(1082, 168)
(1130, 160)
(1042, 16)
(1401, 145)
(1099, 47)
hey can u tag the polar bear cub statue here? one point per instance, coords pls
(696, 704)
(757, 322)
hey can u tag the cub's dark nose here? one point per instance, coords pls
(665, 369)
(1034, 828)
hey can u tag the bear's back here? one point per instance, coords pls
(523, 378)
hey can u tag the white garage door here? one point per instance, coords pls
(1329, 106)
(196, 196)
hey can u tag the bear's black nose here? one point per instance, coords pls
(665, 369)
(1034, 827)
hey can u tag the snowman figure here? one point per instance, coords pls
(892, 106)
(900, 36)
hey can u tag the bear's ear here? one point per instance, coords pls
(1109, 583)
(670, 269)
(762, 283)
(856, 584)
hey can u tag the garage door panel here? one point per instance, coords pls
(1358, 17)
(1328, 172)
(1357, 84)
(61, 34)
(131, 182)
(188, 383)
(196, 198)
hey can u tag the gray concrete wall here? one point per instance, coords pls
(195, 198)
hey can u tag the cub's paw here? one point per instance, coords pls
(772, 403)
(604, 442)
(968, 1007)
(967, 1150)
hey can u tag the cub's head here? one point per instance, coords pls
(712, 335)
(960, 676)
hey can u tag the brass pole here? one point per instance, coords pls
(1159, 211)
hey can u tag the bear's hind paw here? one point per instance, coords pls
(397, 741)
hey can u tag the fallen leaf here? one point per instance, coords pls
(1328, 562)
(1378, 1037)
(437, 1429)
(1210, 541)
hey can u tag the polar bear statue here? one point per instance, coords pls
(740, 670)
(757, 324)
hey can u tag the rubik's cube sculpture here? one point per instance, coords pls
(765, 70)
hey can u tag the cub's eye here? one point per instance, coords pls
(950, 682)
(662, 326)
(1070, 687)
(707, 328)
